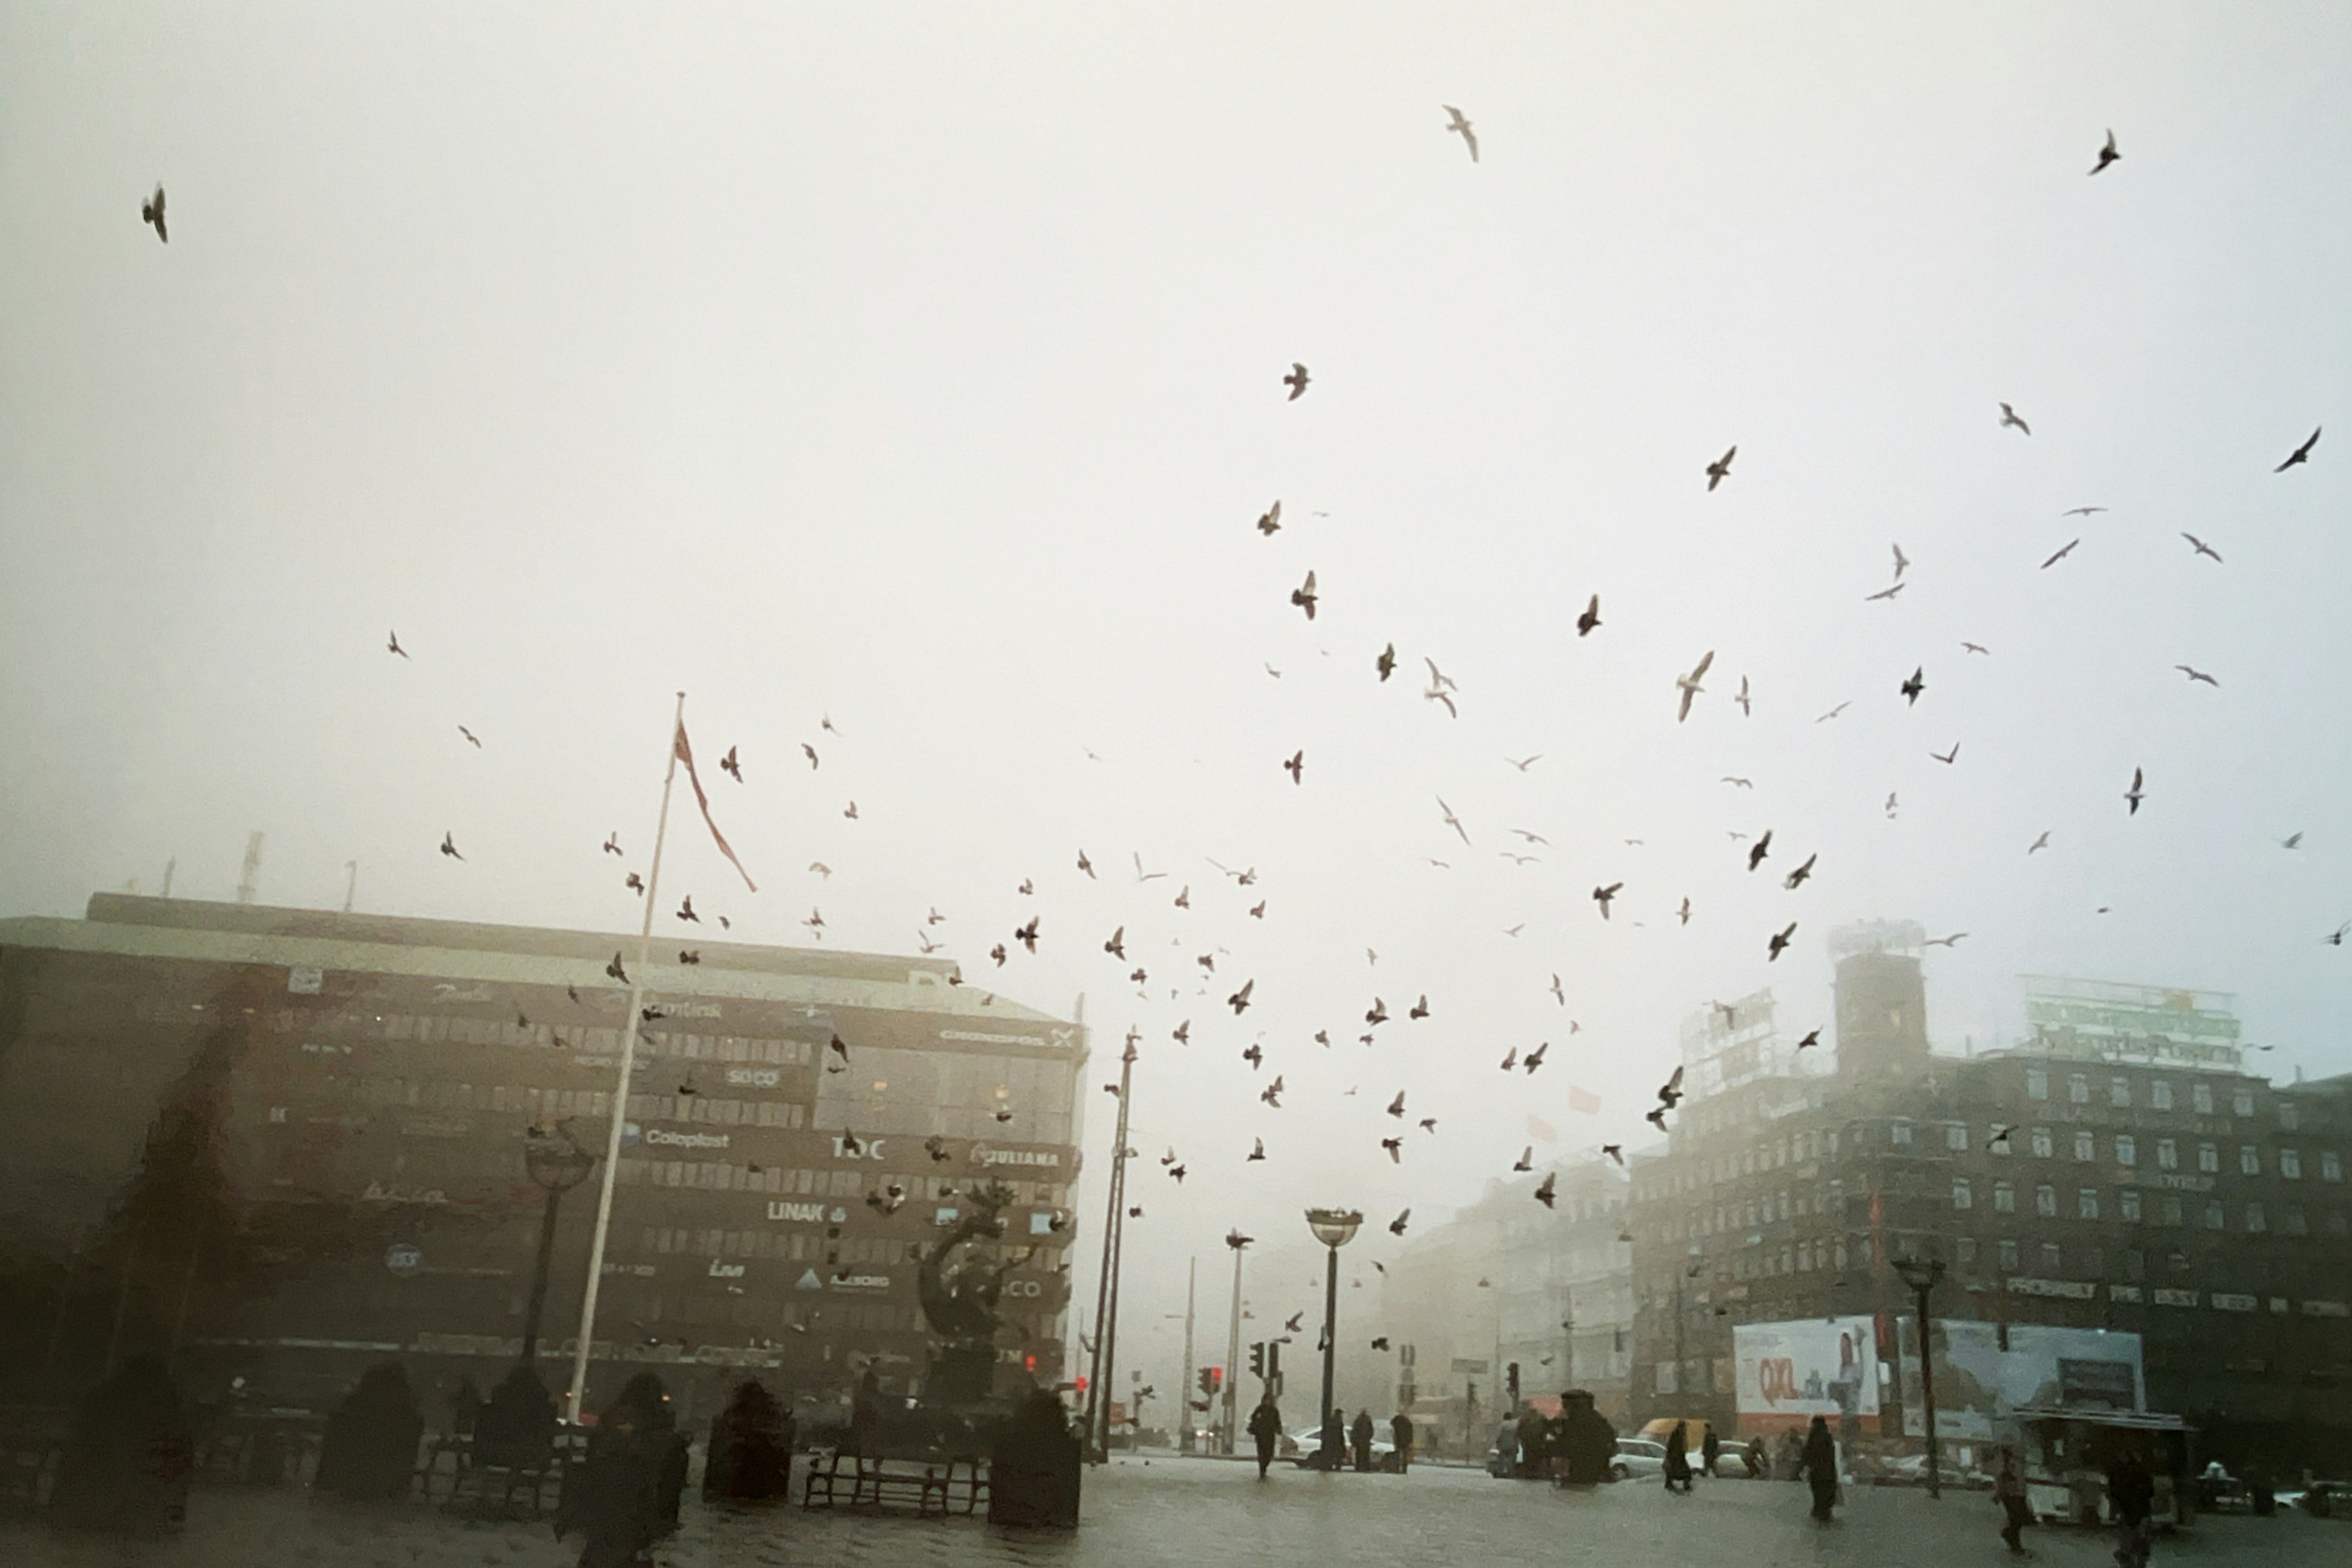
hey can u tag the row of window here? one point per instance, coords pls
(2124, 1148)
(2161, 1095)
(436, 1028)
(2133, 1207)
(713, 1176)
(791, 1246)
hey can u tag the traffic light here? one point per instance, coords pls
(1511, 1383)
(1212, 1379)
(1257, 1359)
(1082, 1384)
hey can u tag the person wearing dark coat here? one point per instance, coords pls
(1678, 1470)
(1401, 1438)
(1818, 1462)
(2131, 1489)
(369, 1453)
(749, 1458)
(1265, 1430)
(126, 1464)
(516, 1430)
(644, 1394)
(1591, 1441)
(1361, 1435)
(2009, 1489)
(616, 1502)
(1532, 1452)
(1709, 1447)
(1333, 1452)
(1034, 1468)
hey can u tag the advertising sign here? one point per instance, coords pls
(1977, 1384)
(1790, 1373)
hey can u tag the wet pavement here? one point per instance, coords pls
(1140, 1513)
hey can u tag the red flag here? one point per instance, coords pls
(1583, 1101)
(685, 753)
(1538, 1128)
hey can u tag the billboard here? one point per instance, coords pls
(1978, 1382)
(1790, 1373)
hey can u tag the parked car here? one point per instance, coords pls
(1307, 1442)
(1638, 1458)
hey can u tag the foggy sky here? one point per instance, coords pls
(919, 366)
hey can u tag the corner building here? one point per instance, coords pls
(2119, 1171)
(287, 1142)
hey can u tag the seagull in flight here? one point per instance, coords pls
(470, 736)
(1438, 679)
(1834, 711)
(2083, 511)
(2107, 154)
(1688, 685)
(1532, 838)
(1557, 993)
(1976, 647)
(1720, 469)
(1947, 757)
(1296, 380)
(1745, 710)
(2202, 547)
(1602, 895)
(2196, 675)
(394, 646)
(2065, 551)
(2134, 794)
(2300, 455)
(2009, 417)
(2040, 843)
(1885, 592)
(1453, 821)
(1140, 874)
(1952, 941)
(1460, 128)
(1733, 779)
(1523, 764)
(1901, 562)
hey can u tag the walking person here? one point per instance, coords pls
(1361, 1435)
(1333, 1452)
(1265, 1429)
(1400, 1436)
(2131, 1490)
(2008, 1490)
(1678, 1470)
(1818, 1462)
(617, 1503)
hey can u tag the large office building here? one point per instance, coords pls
(284, 1142)
(2119, 1169)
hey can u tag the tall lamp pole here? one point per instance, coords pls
(558, 1163)
(1334, 1229)
(1229, 1438)
(1922, 1276)
(1099, 1390)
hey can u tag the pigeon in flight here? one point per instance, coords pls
(1684, 913)
(2291, 841)
(1544, 1190)
(1296, 380)
(2196, 675)
(1916, 684)
(1453, 821)
(1419, 1009)
(1811, 1040)
(686, 909)
(1536, 1057)
(1526, 1160)
(2040, 843)
(1458, 126)
(2107, 154)
(1510, 1059)
(1720, 469)
(1616, 1151)
(1240, 1000)
(1116, 945)
(2008, 418)
(612, 842)
(1026, 935)
(1270, 521)
(731, 767)
(2063, 551)
(2335, 939)
(1947, 757)
(1780, 942)
(470, 736)
(1386, 663)
(1303, 596)
(150, 211)
(1086, 865)
(1395, 1146)
(615, 970)
(1688, 685)
(1378, 1014)
(1590, 618)
(1763, 848)
(850, 811)
(1796, 878)
(810, 752)
(1396, 1106)
(1602, 895)
(1902, 562)
(392, 646)
(998, 953)
(449, 847)
(1557, 993)
(2300, 455)
(2134, 794)
(1746, 711)
(1272, 1094)
(2202, 547)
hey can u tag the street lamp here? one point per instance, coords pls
(1922, 1276)
(1334, 1229)
(557, 1162)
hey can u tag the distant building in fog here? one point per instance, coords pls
(2120, 1171)
(352, 1093)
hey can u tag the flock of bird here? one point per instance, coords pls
(1197, 964)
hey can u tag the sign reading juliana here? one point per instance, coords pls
(981, 1154)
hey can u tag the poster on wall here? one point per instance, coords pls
(1790, 1373)
(1978, 1384)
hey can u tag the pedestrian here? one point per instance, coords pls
(866, 1415)
(1708, 1448)
(2131, 1490)
(1532, 1453)
(1333, 1452)
(1818, 1462)
(369, 1451)
(1751, 1456)
(2008, 1490)
(1361, 1435)
(1678, 1470)
(1036, 1465)
(617, 1502)
(1266, 1428)
(750, 1457)
(1401, 1438)
(1555, 1444)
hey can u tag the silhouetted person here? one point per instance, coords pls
(2017, 1506)
(1401, 1438)
(1590, 1441)
(1333, 1452)
(1035, 1470)
(1708, 1448)
(1360, 1438)
(866, 1415)
(125, 1467)
(1817, 1464)
(1678, 1470)
(616, 1500)
(2131, 1489)
(1265, 1430)
(516, 1429)
(1531, 1443)
(750, 1455)
(644, 1394)
(369, 1453)
(464, 1407)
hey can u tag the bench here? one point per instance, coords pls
(837, 1479)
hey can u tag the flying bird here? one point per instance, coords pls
(2083, 511)
(1140, 874)
(1557, 993)
(1670, 1093)
(1116, 945)
(1685, 911)
(1902, 561)
(1811, 1040)
(2008, 418)
(2202, 547)
(2063, 551)
(1524, 763)
(2291, 841)
(612, 842)
(1437, 694)
(1396, 1106)
(1303, 596)
(1297, 381)
(1834, 711)
(1510, 1059)
(1395, 1146)
(1947, 757)
(1763, 846)
(1545, 1191)
(1688, 685)
(1602, 895)
(1526, 1160)
(2196, 675)
(1272, 1094)
(1240, 1000)
(392, 646)
(810, 752)
(2107, 154)
(1396, 1228)
(150, 211)
(1916, 684)
(1536, 1057)
(1590, 618)
(686, 909)
(615, 970)
(1720, 469)
(1453, 821)
(1457, 126)
(1780, 942)
(1616, 1151)
(1885, 592)
(1952, 941)
(2040, 843)
(2300, 455)
(1419, 1009)
(1745, 710)
(2134, 794)
(1976, 647)
(1378, 1014)
(1386, 662)
(1735, 780)
(1796, 878)
(1270, 521)
(470, 736)
(1530, 838)
(449, 847)
(1026, 935)
(731, 767)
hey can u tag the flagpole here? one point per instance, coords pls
(621, 1085)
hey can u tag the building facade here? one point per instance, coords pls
(2118, 1170)
(285, 1141)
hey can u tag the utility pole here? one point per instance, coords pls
(350, 887)
(1098, 1400)
(1226, 1435)
(1923, 1277)
(1184, 1385)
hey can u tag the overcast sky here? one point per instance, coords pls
(920, 366)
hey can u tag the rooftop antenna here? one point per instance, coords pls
(249, 881)
(352, 887)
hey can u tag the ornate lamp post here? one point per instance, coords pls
(558, 1163)
(1922, 1277)
(1334, 1229)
